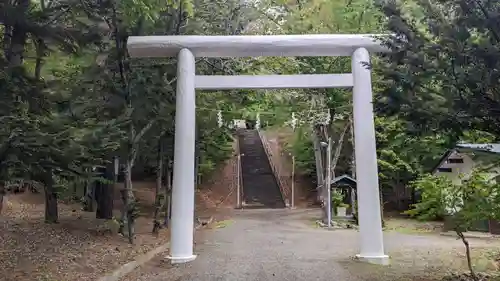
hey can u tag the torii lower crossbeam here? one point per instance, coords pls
(186, 48)
(309, 81)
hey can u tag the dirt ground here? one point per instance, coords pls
(77, 248)
(81, 247)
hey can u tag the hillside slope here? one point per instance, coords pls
(305, 190)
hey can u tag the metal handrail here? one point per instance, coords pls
(281, 184)
(240, 177)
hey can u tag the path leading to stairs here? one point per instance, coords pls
(260, 245)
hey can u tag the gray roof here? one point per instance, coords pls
(345, 178)
(486, 147)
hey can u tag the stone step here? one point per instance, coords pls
(260, 189)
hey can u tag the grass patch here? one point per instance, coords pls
(486, 259)
(411, 226)
(423, 264)
(223, 223)
(397, 270)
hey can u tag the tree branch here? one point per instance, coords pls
(143, 131)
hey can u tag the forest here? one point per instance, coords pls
(79, 114)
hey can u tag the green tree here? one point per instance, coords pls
(39, 140)
(73, 99)
(476, 198)
(403, 156)
(442, 71)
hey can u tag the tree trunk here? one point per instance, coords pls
(158, 195)
(413, 194)
(18, 37)
(40, 53)
(130, 202)
(106, 193)
(89, 205)
(320, 171)
(381, 198)
(2, 193)
(467, 254)
(127, 195)
(319, 165)
(51, 208)
(116, 169)
(168, 196)
(340, 144)
(123, 195)
(7, 34)
(353, 155)
(74, 190)
(334, 161)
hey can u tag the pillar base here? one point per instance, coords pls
(179, 260)
(381, 260)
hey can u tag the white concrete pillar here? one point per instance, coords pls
(181, 233)
(370, 224)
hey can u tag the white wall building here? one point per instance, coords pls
(459, 162)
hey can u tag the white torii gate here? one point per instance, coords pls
(186, 48)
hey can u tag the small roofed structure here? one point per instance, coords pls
(347, 186)
(343, 181)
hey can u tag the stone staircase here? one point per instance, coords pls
(260, 188)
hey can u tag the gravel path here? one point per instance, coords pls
(283, 245)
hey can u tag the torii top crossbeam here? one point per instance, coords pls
(254, 45)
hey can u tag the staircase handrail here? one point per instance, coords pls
(239, 176)
(281, 184)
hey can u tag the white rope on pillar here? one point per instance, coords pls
(219, 119)
(328, 117)
(257, 122)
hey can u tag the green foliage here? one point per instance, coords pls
(474, 200)
(303, 150)
(432, 189)
(71, 98)
(476, 136)
(438, 59)
(337, 198)
(402, 155)
(309, 105)
(215, 146)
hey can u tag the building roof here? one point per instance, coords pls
(493, 148)
(343, 180)
(483, 147)
(442, 159)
